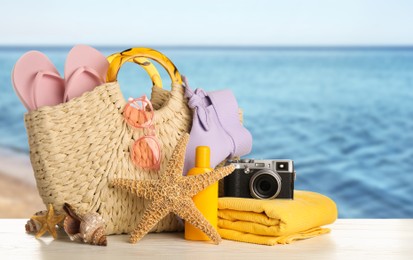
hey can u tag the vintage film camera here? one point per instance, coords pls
(260, 179)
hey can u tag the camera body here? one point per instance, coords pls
(260, 179)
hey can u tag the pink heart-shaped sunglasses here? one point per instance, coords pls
(145, 151)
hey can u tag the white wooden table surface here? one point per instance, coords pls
(350, 239)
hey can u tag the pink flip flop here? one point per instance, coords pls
(37, 81)
(85, 69)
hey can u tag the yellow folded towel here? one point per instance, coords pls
(279, 221)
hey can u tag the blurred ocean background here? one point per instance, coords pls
(344, 115)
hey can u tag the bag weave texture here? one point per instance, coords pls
(78, 147)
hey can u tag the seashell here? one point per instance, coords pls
(88, 228)
(32, 226)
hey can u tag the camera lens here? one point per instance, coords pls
(265, 184)
(282, 166)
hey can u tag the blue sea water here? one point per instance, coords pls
(345, 116)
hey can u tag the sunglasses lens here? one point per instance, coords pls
(136, 115)
(146, 153)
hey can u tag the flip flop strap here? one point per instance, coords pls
(37, 79)
(89, 70)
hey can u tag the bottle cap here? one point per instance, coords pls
(202, 157)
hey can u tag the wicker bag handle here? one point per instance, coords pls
(140, 56)
(146, 65)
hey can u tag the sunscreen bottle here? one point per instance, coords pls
(207, 200)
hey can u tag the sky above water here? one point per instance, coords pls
(212, 22)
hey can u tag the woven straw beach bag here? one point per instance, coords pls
(78, 147)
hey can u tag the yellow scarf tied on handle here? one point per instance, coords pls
(279, 221)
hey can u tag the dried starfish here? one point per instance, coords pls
(48, 222)
(173, 192)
